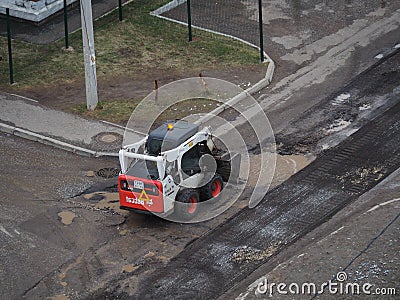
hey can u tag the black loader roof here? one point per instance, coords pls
(170, 135)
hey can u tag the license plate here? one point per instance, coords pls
(137, 184)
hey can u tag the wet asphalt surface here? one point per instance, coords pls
(36, 181)
(105, 253)
(216, 262)
(345, 111)
(360, 240)
(288, 26)
(62, 232)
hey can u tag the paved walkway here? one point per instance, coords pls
(25, 118)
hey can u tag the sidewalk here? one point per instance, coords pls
(25, 118)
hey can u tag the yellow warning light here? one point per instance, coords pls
(170, 126)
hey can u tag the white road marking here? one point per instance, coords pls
(292, 162)
(336, 231)
(383, 204)
(5, 231)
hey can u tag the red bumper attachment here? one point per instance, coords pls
(141, 194)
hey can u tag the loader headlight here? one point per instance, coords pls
(124, 185)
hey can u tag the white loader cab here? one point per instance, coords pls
(173, 169)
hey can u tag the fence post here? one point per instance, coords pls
(120, 9)
(66, 25)
(189, 20)
(10, 61)
(260, 21)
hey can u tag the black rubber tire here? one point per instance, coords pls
(208, 191)
(187, 204)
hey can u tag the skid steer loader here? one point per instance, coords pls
(173, 169)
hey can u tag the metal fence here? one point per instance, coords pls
(231, 18)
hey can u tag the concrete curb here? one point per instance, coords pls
(29, 135)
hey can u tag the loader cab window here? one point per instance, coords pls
(190, 160)
(156, 146)
(143, 169)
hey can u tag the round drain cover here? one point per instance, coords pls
(108, 172)
(109, 137)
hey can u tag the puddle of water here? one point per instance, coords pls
(163, 258)
(129, 268)
(108, 201)
(150, 254)
(63, 274)
(288, 165)
(66, 217)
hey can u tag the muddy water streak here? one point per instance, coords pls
(288, 165)
(59, 297)
(129, 268)
(285, 167)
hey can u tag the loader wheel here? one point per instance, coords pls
(187, 204)
(213, 188)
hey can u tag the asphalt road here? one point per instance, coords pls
(56, 241)
(216, 262)
(336, 116)
(104, 253)
(361, 240)
(35, 183)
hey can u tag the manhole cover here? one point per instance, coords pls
(108, 172)
(108, 137)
